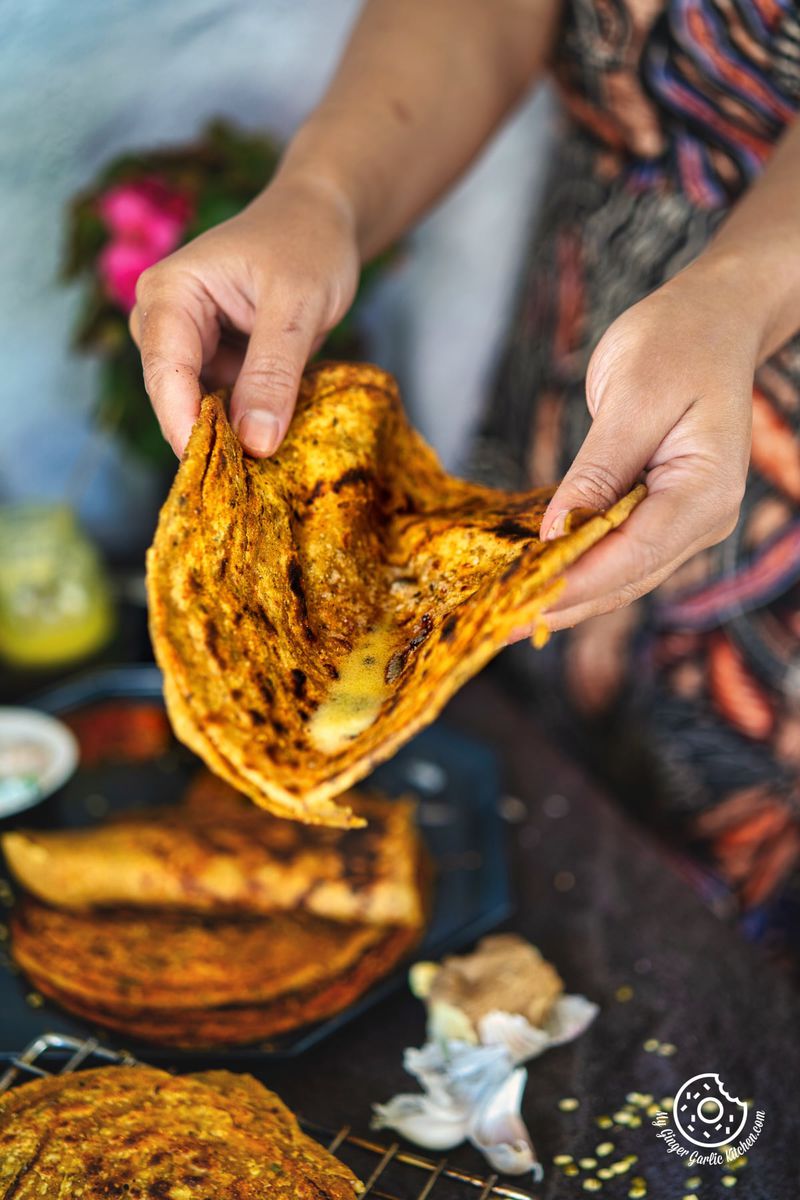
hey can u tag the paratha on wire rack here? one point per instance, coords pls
(313, 610)
(141, 1133)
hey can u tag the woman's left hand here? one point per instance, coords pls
(669, 388)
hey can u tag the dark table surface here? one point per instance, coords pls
(605, 905)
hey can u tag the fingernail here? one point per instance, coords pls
(559, 525)
(259, 431)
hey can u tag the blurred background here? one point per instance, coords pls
(124, 130)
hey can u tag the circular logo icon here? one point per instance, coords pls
(706, 1114)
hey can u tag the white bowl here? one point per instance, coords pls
(37, 755)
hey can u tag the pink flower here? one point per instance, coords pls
(121, 263)
(147, 220)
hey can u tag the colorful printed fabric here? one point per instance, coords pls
(674, 109)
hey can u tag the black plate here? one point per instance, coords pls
(455, 778)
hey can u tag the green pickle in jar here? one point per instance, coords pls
(55, 605)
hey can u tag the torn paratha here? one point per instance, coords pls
(313, 610)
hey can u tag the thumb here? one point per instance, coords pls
(619, 445)
(264, 396)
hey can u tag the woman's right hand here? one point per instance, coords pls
(245, 305)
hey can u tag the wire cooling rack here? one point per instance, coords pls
(396, 1175)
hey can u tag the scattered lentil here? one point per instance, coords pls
(604, 1148)
(729, 1181)
(693, 1181)
(651, 1045)
(561, 1160)
(571, 1170)
(605, 1173)
(592, 1185)
(568, 1104)
(34, 999)
(588, 1164)
(624, 993)
(666, 1049)
(604, 1122)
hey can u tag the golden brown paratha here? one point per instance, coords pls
(141, 1133)
(130, 959)
(313, 610)
(193, 980)
(218, 853)
(192, 1028)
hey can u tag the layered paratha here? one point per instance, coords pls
(194, 980)
(217, 853)
(312, 610)
(141, 1133)
(241, 1024)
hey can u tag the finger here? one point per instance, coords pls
(621, 441)
(172, 349)
(265, 393)
(668, 527)
(134, 325)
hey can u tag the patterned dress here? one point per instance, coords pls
(691, 699)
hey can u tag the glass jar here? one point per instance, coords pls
(55, 605)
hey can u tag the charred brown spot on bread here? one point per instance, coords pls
(299, 681)
(512, 530)
(212, 639)
(350, 477)
(448, 628)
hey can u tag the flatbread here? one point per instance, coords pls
(141, 1133)
(217, 853)
(313, 610)
(133, 959)
(193, 1029)
(189, 980)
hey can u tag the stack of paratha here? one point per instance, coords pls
(213, 921)
(311, 611)
(139, 1132)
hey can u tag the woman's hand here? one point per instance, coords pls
(669, 388)
(419, 90)
(282, 274)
